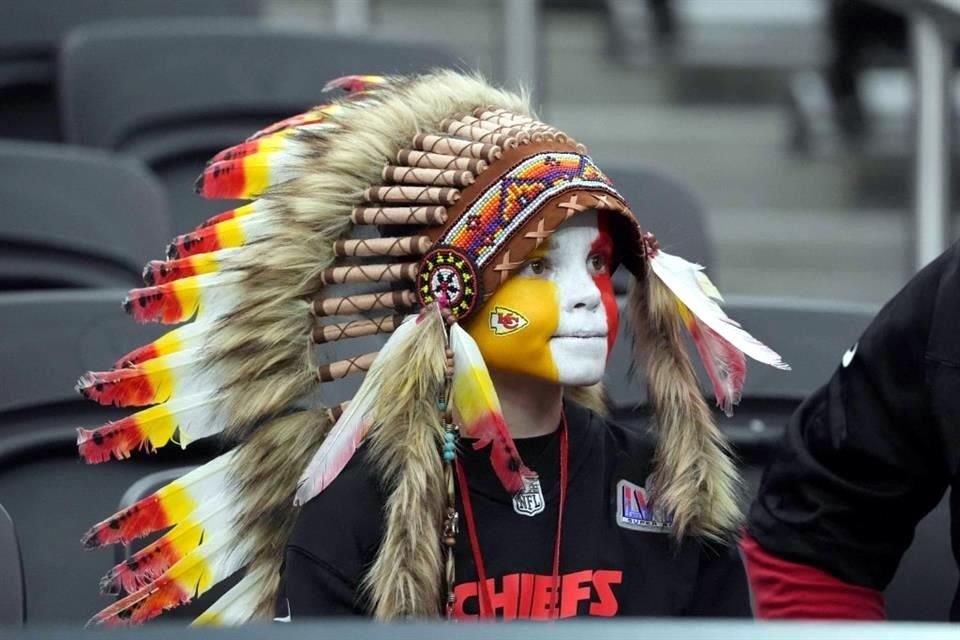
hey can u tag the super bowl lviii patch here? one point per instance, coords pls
(636, 509)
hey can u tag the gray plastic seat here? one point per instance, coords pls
(75, 217)
(51, 338)
(12, 605)
(173, 93)
(666, 207)
(31, 31)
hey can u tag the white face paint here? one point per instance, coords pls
(579, 344)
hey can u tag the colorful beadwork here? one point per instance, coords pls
(510, 202)
(450, 277)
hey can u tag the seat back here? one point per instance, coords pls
(50, 338)
(173, 93)
(666, 207)
(12, 605)
(75, 217)
(30, 32)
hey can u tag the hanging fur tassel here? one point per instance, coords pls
(405, 440)
(695, 479)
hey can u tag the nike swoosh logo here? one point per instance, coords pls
(848, 356)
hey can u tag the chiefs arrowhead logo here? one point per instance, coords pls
(505, 321)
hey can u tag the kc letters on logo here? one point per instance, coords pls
(504, 321)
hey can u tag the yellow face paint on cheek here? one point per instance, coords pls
(514, 328)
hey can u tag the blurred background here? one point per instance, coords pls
(784, 144)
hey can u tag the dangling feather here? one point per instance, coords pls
(205, 566)
(164, 508)
(348, 433)
(721, 342)
(151, 382)
(192, 417)
(725, 364)
(151, 562)
(189, 336)
(476, 401)
(232, 232)
(206, 296)
(683, 280)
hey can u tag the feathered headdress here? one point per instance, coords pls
(463, 182)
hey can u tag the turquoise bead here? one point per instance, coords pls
(449, 437)
(443, 406)
(448, 456)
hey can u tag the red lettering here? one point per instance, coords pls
(603, 582)
(542, 605)
(463, 592)
(531, 596)
(575, 589)
(507, 320)
(504, 603)
(526, 595)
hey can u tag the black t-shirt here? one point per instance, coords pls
(616, 556)
(872, 452)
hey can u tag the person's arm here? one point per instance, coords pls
(332, 545)
(863, 460)
(721, 590)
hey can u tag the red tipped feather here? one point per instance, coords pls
(354, 84)
(140, 569)
(138, 355)
(161, 272)
(117, 440)
(237, 151)
(154, 304)
(190, 244)
(143, 605)
(726, 366)
(217, 219)
(224, 179)
(121, 387)
(137, 520)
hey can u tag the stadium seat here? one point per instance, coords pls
(668, 209)
(31, 31)
(173, 93)
(75, 217)
(50, 338)
(11, 568)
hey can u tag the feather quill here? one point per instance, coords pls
(348, 433)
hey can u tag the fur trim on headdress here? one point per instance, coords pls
(695, 479)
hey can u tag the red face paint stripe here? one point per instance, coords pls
(604, 281)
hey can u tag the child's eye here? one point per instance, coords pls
(598, 263)
(537, 266)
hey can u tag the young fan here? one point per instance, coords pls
(472, 475)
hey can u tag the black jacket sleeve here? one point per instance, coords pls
(870, 453)
(721, 590)
(335, 539)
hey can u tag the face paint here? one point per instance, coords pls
(557, 318)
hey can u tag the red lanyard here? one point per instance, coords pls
(486, 608)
